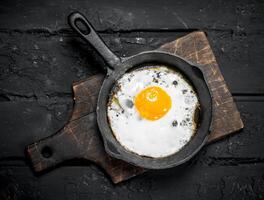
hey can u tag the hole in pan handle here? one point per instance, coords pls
(81, 25)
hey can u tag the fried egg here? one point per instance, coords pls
(151, 111)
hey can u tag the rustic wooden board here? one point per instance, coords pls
(81, 139)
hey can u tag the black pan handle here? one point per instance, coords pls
(81, 25)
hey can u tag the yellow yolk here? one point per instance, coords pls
(152, 103)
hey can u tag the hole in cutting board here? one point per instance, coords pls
(46, 152)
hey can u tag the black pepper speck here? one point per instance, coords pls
(175, 83)
(155, 80)
(184, 91)
(174, 123)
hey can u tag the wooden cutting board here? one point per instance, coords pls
(80, 138)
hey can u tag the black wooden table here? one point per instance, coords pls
(40, 57)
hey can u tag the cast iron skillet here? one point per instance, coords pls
(116, 67)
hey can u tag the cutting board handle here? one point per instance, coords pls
(53, 150)
(71, 141)
(78, 139)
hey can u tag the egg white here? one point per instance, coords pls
(162, 137)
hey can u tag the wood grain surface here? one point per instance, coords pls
(80, 137)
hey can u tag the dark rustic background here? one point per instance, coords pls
(40, 57)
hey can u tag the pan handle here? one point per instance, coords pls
(81, 25)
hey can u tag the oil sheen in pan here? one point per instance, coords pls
(152, 111)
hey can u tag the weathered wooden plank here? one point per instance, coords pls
(34, 64)
(126, 15)
(189, 182)
(29, 122)
(240, 58)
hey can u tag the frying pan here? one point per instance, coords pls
(116, 68)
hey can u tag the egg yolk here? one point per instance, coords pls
(152, 103)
